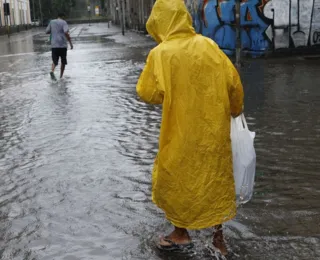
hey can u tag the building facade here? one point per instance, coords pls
(19, 13)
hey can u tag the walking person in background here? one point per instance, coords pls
(59, 31)
(199, 89)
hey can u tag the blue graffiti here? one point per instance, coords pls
(211, 21)
(252, 30)
(219, 29)
(225, 35)
(217, 21)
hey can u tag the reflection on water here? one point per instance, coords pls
(17, 43)
(76, 159)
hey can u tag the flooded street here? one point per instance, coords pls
(76, 155)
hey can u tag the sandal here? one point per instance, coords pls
(53, 77)
(174, 247)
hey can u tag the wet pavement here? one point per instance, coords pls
(76, 155)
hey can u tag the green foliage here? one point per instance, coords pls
(103, 2)
(51, 8)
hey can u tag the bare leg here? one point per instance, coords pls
(63, 66)
(179, 236)
(218, 240)
(53, 67)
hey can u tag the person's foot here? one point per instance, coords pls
(53, 77)
(179, 239)
(218, 242)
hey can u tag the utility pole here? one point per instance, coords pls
(6, 18)
(34, 10)
(119, 12)
(143, 11)
(113, 7)
(41, 12)
(129, 18)
(89, 12)
(141, 15)
(123, 16)
(238, 31)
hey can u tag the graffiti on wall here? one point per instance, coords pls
(295, 23)
(264, 24)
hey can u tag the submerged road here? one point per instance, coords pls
(76, 155)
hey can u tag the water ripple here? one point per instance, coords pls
(76, 159)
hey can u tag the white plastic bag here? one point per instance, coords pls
(244, 158)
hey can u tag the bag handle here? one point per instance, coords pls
(244, 121)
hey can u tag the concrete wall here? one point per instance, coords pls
(265, 24)
(19, 12)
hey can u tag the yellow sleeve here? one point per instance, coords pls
(147, 87)
(235, 90)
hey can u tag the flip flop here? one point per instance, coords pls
(53, 77)
(174, 247)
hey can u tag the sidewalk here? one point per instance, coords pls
(19, 42)
(15, 29)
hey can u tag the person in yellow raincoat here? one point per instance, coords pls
(199, 89)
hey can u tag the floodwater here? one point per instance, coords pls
(76, 155)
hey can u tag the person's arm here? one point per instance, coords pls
(67, 34)
(48, 30)
(235, 89)
(69, 39)
(147, 85)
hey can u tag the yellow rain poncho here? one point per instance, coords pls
(199, 90)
